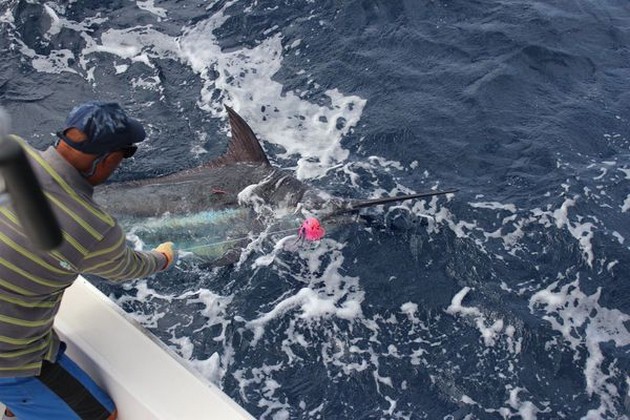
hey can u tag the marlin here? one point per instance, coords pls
(214, 209)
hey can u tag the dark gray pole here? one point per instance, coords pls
(30, 204)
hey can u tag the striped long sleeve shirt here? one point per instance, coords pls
(32, 282)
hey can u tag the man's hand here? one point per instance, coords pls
(167, 250)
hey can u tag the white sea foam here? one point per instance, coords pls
(494, 206)
(338, 296)
(209, 368)
(585, 324)
(245, 80)
(7, 17)
(516, 407)
(583, 232)
(490, 330)
(410, 310)
(149, 6)
(513, 229)
(526, 409)
(58, 60)
(456, 306)
(619, 237)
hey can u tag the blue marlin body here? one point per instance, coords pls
(200, 207)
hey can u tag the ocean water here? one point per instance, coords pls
(508, 299)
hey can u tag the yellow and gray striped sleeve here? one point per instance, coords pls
(114, 260)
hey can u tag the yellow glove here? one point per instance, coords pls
(167, 250)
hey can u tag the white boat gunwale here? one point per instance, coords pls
(146, 379)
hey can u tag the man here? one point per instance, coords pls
(37, 380)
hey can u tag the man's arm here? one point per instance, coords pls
(114, 260)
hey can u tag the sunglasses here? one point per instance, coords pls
(128, 151)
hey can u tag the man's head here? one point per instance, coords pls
(96, 137)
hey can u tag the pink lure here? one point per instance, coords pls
(311, 230)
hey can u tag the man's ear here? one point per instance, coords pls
(81, 161)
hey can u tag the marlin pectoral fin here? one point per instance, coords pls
(244, 145)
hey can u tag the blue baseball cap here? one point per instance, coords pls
(107, 126)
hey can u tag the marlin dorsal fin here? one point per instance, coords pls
(244, 146)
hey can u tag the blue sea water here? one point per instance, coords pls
(510, 298)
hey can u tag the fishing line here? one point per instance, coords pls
(211, 244)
